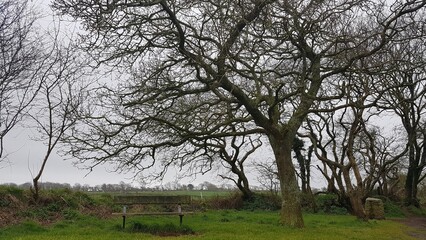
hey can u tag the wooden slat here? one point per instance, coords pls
(134, 199)
(154, 213)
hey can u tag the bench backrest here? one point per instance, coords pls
(134, 199)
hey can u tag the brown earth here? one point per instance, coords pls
(417, 226)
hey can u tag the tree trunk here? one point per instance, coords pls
(411, 188)
(243, 186)
(413, 173)
(356, 204)
(35, 190)
(355, 196)
(291, 210)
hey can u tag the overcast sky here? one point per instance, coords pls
(24, 158)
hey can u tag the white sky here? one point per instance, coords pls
(24, 157)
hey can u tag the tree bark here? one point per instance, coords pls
(243, 185)
(355, 196)
(291, 211)
(411, 187)
(356, 204)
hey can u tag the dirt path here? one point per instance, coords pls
(418, 224)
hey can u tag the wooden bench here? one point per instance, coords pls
(129, 200)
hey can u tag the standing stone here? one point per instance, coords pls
(374, 208)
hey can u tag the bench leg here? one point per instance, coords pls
(124, 221)
(180, 222)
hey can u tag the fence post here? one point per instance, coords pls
(124, 216)
(180, 214)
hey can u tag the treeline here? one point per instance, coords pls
(125, 187)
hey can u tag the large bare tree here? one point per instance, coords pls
(201, 66)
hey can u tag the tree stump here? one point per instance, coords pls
(374, 208)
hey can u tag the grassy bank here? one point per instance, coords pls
(212, 225)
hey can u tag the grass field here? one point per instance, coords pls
(221, 225)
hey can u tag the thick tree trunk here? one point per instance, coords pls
(291, 210)
(355, 196)
(411, 188)
(414, 171)
(243, 186)
(356, 204)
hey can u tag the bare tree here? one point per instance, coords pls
(22, 58)
(234, 159)
(60, 95)
(201, 66)
(355, 158)
(268, 175)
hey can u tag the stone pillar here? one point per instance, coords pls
(374, 208)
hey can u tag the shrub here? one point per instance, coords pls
(71, 214)
(10, 196)
(15, 191)
(329, 203)
(268, 202)
(392, 209)
(260, 201)
(233, 201)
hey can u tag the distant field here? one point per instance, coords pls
(217, 225)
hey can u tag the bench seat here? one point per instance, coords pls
(153, 213)
(128, 200)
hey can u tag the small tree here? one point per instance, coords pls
(61, 96)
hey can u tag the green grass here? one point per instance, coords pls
(221, 225)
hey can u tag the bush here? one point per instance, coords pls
(233, 201)
(15, 191)
(268, 202)
(10, 195)
(329, 203)
(392, 209)
(71, 214)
